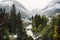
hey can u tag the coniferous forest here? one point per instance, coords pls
(11, 24)
(49, 31)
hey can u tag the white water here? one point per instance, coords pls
(49, 21)
(30, 33)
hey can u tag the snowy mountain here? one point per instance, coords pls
(7, 4)
(52, 8)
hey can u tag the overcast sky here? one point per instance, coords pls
(34, 4)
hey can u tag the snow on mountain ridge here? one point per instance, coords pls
(7, 4)
(52, 8)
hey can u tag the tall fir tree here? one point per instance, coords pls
(13, 19)
(0, 12)
(21, 31)
(37, 21)
(44, 20)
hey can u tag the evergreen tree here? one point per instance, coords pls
(21, 32)
(44, 20)
(32, 21)
(37, 21)
(0, 12)
(3, 12)
(32, 17)
(13, 20)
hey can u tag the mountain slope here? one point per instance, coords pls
(52, 8)
(7, 4)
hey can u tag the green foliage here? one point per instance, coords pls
(40, 26)
(56, 26)
(12, 25)
(21, 32)
(54, 21)
(29, 38)
(44, 20)
(39, 22)
(36, 21)
(50, 35)
(34, 29)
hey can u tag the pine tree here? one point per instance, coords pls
(21, 32)
(32, 21)
(44, 20)
(13, 20)
(37, 21)
(0, 12)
